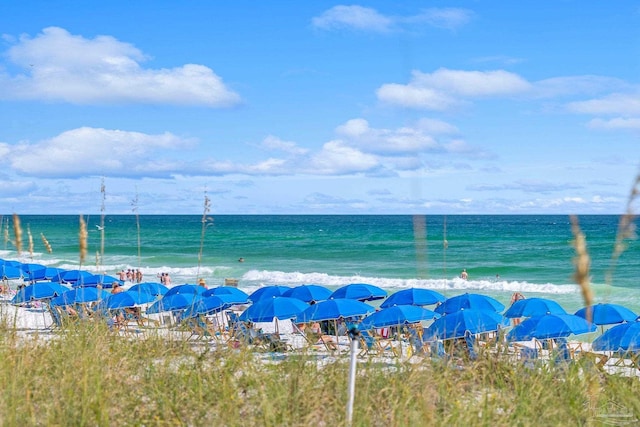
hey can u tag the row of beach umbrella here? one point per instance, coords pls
(452, 317)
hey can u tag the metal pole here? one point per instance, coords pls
(353, 334)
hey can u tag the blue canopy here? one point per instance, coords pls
(620, 338)
(397, 315)
(103, 280)
(80, 296)
(34, 272)
(467, 301)
(308, 293)
(608, 314)
(126, 299)
(152, 288)
(209, 305)
(550, 326)
(335, 309)
(240, 296)
(457, 324)
(360, 292)
(175, 302)
(54, 273)
(268, 292)
(38, 291)
(267, 309)
(74, 277)
(413, 296)
(186, 289)
(533, 307)
(8, 272)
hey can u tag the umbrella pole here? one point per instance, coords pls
(353, 334)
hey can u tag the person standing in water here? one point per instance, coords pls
(464, 275)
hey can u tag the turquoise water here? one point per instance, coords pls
(502, 254)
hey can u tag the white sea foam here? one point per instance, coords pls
(257, 278)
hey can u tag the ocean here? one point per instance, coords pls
(531, 254)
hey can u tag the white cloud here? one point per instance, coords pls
(274, 143)
(614, 124)
(69, 68)
(336, 158)
(356, 17)
(12, 188)
(448, 18)
(354, 128)
(444, 88)
(617, 103)
(367, 19)
(413, 96)
(93, 151)
(472, 83)
(435, 126)
(385, 141)
(576, 85)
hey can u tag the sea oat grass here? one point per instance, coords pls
(89, 375)
(17, 233)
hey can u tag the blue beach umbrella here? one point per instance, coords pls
(620, 338)
(267, 309)
(74, 277)
(241, 296)
(9, 272)
(153, 288)
(360, 292)
(127, 299)
(308, 293)
(413, 296)
(34, 272)
(268, 292)
(467, 301)
(607, 314)
(457, 324)
(550, 326)
(54, 273)
(10, 263)
(533, 307)
(335, 309)
(38, 291)
(397, 315)
(186, 289)
(175, 302)
(80, 296)
(103, 280)
(209, 305)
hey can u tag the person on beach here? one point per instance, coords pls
(122, 275)
(202, 283)
(464, 275)
(517, 296)
(116, 288)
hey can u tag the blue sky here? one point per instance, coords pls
(374, 107)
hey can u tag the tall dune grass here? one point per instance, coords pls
(17, 233)
(88, 375)
(82, 240)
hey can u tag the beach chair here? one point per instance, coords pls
(437, 350)
(274, 342)
(561, 354)
(418, 343)
(597, 359)
(470, 340)
(245, 334)
(372, 344)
